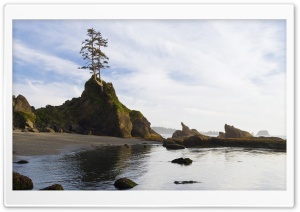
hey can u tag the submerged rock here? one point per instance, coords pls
(185, 161)
(21, 182)
(22, 162)
(186, 182)
(54, 187)
(124, 183)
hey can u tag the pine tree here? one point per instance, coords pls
(92, 53)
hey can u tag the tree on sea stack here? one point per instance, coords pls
(91, 52)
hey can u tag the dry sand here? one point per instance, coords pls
(31, 144)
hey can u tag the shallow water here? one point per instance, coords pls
(150, 167)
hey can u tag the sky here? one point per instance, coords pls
(204, 73)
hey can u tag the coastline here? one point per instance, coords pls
(34, 144)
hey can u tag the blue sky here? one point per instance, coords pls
(204, 73)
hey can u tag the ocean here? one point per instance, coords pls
(150, 166)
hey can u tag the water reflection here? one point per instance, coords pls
(99, 168)
(216, 168)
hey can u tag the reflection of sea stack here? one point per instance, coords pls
(263, 133)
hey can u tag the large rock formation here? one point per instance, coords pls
(232, 132)
(23, 117)
(186, 132)
(96, 112)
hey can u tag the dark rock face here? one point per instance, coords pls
(184, 161)
(232, 132)
(263, 133)
(96, 112)
(21, 182)
(124, 183)
(23, 117)
(53, 187)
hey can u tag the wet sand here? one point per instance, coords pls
(32, 144)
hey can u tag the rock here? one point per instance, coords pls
(185, 133)
(196, 141)
(186, 182)
(263, 133)
(232, 132)
(54, 187)
(21, 182)
(20, 104)
(22, 162)
(49, 130)
(100, 113)
(33, 130)
(126, 145)
(221, 135)
(23, 117)
(168, 141)
(184, 161)
(124, 183)
(174, 146)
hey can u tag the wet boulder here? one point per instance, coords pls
(124, 183)
(54, 187)
(183, 161)
(21, 182)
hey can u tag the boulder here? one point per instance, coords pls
(232, 132)
(53, 187)
(124, 183)
(184, 161)
(21, 182)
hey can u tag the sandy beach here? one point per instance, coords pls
(32, 144)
